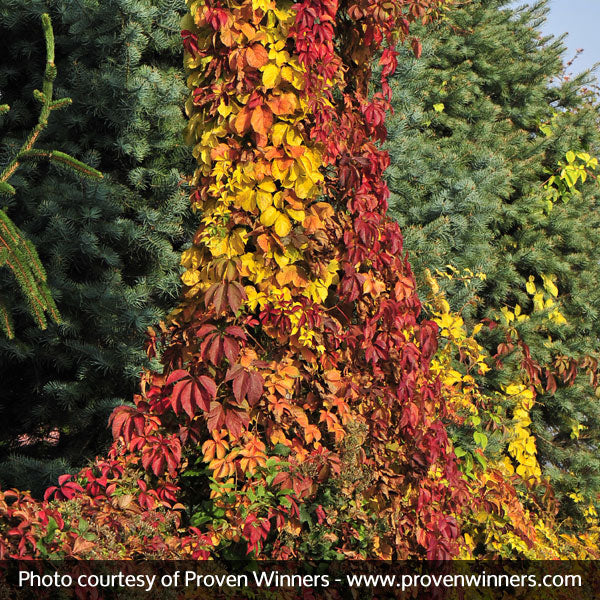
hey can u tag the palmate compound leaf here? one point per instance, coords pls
(191, 393)
(234, 420)
(246, 384)
(225, 294)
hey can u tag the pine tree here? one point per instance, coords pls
(108, 246)
(481, 122)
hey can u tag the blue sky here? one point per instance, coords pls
(581, 19)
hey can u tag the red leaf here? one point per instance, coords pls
(255, 388)
(210, 348)
(177, 375)
(246, 384)
(231, 348)
(236, 421)
(205, 330)
(236, 331)
(416, 46)
(192, 394)
(48, 493)
(233, 372)
(215, 350)
(63, 478)
(124, 420)
(158, 464)
(208, 389)
(181, 397)
(225, 293)
(235, 295)
(215, 295)
(216, 416)
(240, 386)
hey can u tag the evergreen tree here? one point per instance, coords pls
(16, 251)
(109, 246)
(481, 121)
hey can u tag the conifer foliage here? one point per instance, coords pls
(107, 245)
(484, 126)
(18, 253)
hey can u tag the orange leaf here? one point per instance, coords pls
(292, 274)
(257, 56)
(295, 151)
(284, 104)
(242, 121)
(273, 153)
(82, 545)
(264, 242)
(262, 119)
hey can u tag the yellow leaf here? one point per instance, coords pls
(538, 301)
(224, 109)
(481, 516)
(292, 76)
(282, 225)
(291, 175)
(246, 199)
(281, 259)
(269, 216)
(237, 241)
(271, 75)
(507, 314)
(303, 187)
(264, 5)
(268, 185)
(514, 389)
(278, 133)
(293, 138)
(191, 277)
(264, 200)
(191, 257)
(549, 284)
(530, 285)
(297, 215)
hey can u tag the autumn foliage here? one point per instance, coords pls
(307, 407)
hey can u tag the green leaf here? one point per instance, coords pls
(50, 530)
(475, 420)
(570, 175)
(281, 449)
(480, 439)
(305, 516)
(482, 461)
